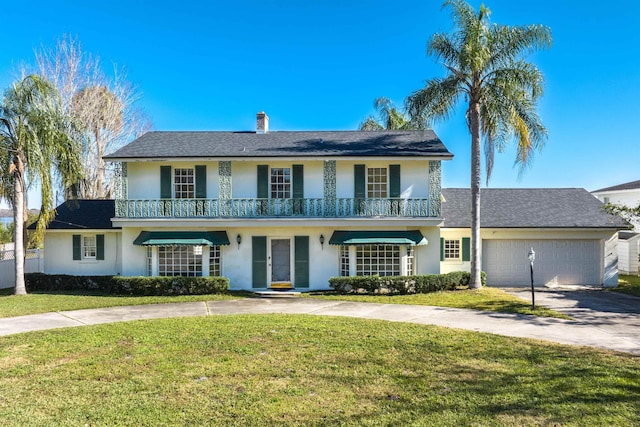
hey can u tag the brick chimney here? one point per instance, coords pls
(262, 122)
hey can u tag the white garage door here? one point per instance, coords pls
(560, 262)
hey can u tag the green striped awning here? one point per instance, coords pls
(182, 238)
(350, 238)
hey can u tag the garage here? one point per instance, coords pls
(558, 262)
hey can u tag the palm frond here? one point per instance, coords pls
(435, 101)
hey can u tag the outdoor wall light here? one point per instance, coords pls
(532, 258)
(322, 241)
(238, 239)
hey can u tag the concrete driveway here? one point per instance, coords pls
(616, 329)
(612, 312)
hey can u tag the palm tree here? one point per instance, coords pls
(390, 116)
(501, 90)
(33, 146)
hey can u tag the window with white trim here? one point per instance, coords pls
(451, 249)
(280, 183)
(89, 247)
(377, 183)
(214, 260)
(344, 261)
(149, 260)
(410, 261)
(179, 261)
(184, 183)
(383, 260)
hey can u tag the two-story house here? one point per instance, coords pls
(270, 209)
(292, 209)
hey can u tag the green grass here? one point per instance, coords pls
(304, 370)
(12, 305)
(628, 285)
(489, 299)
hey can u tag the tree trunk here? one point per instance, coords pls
(474, 127)
(18, 223)
(100, 190)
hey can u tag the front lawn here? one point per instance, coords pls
(34, 303)
(628, 285)
(489, 299)
(307, 370)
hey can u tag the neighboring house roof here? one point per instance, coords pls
(627, 235)
(284, 144)
(83, 214)
(633, 185)
(528, 208)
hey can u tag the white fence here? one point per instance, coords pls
(34, 263)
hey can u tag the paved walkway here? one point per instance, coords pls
(596, 329)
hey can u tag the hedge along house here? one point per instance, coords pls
(269, 209)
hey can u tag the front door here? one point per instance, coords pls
(280, 261)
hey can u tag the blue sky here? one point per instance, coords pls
(319, 66)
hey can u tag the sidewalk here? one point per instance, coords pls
(514, 325)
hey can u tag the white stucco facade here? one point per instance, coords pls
(59, 258)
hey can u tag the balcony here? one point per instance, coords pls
(266, 208)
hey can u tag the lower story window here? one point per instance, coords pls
(214, 261)
(179, 261)
(410, 261)
(89, 247)
(149, 260)
(344, 261)
(383, 260)
(452, 249)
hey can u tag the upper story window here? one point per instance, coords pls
(376, 183)
(184, 183)
(280, 183)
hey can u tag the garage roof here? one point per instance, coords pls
(528, 208)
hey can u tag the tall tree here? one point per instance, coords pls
(35, 140)
(104, 106)
(486, 68)
(389, 118)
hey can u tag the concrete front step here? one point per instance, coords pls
(289, 293)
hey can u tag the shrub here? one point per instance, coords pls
(401, 285)
(124, 285)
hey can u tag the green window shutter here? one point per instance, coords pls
(301, 262)
(201, 182)
(466, 249)
(165, 182)
(359, 182)
(442, 249)
(298, 181)
(99, 246)
(263, 182)
(259, 261)
(394, 181)
(77, 247)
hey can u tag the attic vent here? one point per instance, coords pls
(262, 122)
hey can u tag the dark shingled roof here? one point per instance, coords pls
(626, 235)
(528, 208)
(283, 144)
(633, 185)
(83, 214)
